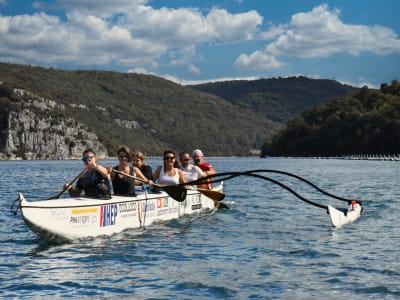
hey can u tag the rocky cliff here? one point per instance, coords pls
(31, 128)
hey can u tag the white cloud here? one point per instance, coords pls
(194, 82)
(101, 8)
(193, 69)
(258, 60)
(23, 37)
(123, 32)
(320, 33)
(187, 26)
(230, 28)
(272, 32)
(139, 70)
(183, 57)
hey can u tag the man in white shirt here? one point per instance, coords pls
(190, 171)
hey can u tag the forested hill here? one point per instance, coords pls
(277, 99)
(365, 122)
(145, 112)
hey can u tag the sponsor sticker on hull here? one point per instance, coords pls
(127, 209)
(108, 215)
(83, 216)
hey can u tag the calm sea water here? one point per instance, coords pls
(269, 245)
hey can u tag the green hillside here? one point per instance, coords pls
(145, 112)
(365, 122)
(277, 99)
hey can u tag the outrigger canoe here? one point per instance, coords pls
(68, 219)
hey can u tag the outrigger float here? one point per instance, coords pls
(341, 217)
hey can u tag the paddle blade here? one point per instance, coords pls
(178, 193)
(222, 205)
(215, 195)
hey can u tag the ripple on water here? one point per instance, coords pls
(268, 245)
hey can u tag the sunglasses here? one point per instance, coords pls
(169, 158)
(87, 158)
(123, 156)
(186, 159)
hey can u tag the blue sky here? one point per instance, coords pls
(352, 41)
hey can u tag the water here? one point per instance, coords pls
(269, 245)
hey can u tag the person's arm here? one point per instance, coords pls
(73, 191)
(199, 172)
(101, 170)
(111, 172)
(157, 173)
(210, 171)
(140, 175)
(182, 178)
(148, 172)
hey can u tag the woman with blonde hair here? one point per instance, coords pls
(138, 162)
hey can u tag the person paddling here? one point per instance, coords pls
(138, 162)
(207, 168)
(190, 171)
(123, 185)
(94, 182)
(169, 173)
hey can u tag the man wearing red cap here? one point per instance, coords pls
(207, 168)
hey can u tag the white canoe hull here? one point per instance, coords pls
(68, 219)
(340, 218)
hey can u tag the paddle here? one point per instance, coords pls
(213, 194)
(64, 189)
(216, 196)
(178, 192)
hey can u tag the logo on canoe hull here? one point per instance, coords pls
(162, 202)
(108, 215)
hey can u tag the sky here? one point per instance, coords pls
(356, 42)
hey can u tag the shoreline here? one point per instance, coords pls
(344, 157)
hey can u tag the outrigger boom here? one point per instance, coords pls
(338, 217)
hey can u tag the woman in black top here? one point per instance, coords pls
(123, 185)
(138, 162)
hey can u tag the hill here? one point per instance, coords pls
(145, 112)
(364, 122)
(277, 99)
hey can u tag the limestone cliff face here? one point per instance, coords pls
(36, 132)
(39, 137)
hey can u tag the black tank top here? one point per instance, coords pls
(94, 185)
(124, 186)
